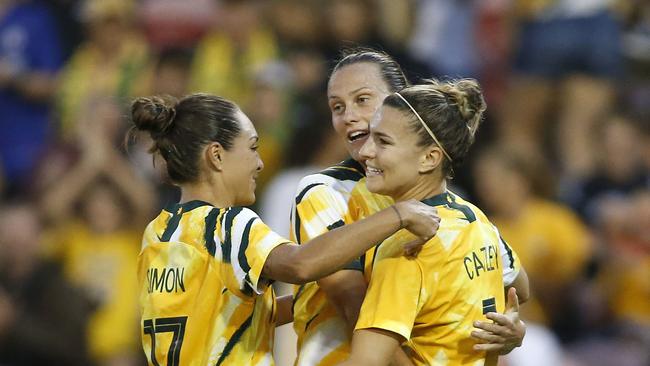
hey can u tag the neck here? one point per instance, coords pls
(424, 189)
(204, 191)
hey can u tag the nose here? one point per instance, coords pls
(367, 151)
(351, 115)
(260, 163)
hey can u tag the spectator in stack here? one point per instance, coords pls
(43, 317)
(570, 49)
(552, 242)
(113, 62)
(30, 57)
(99, 205)
(619, 172)
(231, 54)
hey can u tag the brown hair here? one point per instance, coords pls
(451, 109)
(181, 128)
(389, 69)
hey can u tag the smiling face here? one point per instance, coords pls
(395, 165)
(242, 163)
(355, 93)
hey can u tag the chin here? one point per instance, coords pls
(375, 186)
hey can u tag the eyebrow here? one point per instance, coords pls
(352, 92)
(381, 134)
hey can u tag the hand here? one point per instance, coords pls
(506, 333)
(419, 218)
(412, 248)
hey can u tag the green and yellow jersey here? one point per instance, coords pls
(202, 297)
(331, 198)
(433, 299)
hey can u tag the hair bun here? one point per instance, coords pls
(467, 95)
(153, 114)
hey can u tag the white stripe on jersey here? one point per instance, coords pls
(509, 273)
(237, 231)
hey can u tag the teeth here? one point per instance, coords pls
(355, 135)
(371, 170)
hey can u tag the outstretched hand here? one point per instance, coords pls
(505, 333)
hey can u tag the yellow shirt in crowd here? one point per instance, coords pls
(552, 243)
(105, 266)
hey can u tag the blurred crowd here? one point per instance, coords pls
(561, 166)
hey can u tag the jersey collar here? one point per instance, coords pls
(438, 200)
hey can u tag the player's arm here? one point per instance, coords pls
(285, 310)
(326, 253)
(521, 285)
(345, 290)
(373, 347)
(514, 274)
(384, 323)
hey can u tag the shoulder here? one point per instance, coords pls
(238, 215)
(474, 212)
(337, 179)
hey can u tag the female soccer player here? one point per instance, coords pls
(205, 263)
(417, 138)
(325, 312)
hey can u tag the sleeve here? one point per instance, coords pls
(247, 244)
(318, 209)
(510, 260)
(402, 279)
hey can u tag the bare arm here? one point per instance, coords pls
(326, 253)
(345, 290)
(373, 347)
(59, 199)
(285, 310)
(521, 284)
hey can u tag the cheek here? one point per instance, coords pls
(339, 126)
(369, 110)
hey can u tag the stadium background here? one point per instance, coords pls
(561, 164)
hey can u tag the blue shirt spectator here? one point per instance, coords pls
(30, 56)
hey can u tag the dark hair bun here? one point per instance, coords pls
(469, 98)
(154, 114)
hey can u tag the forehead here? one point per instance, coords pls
(390, 120)
(355, 76)
(245, 124)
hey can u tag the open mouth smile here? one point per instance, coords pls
(357, 135)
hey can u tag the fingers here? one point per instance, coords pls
(492, 328)
(512, 305)
(488, 337)
(500, 319)
(412, 248)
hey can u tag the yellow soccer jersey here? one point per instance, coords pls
(432, 300)
(326, 200)
(202, 297)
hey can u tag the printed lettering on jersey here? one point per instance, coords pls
(166, 279)
(486, 259)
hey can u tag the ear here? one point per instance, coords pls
(430, 159)
(214, 155)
